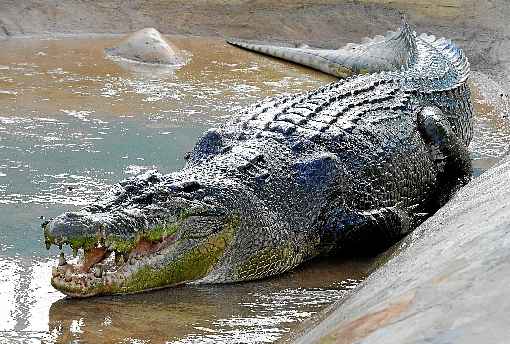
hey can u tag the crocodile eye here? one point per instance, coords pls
(186, 186)
(189, 187)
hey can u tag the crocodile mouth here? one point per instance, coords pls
(101, 268)
(105, 261)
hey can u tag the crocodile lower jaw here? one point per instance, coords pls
(100, 270)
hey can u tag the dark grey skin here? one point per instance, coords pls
(351, 166)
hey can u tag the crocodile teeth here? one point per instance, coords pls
(62, 259)
(108, 280)
(98, 271)
(119, 259)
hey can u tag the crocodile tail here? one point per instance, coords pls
(395, 50)
(319, 59)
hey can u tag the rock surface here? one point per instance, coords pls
(146, 45)
(446, 283)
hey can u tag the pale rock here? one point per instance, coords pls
(148, 46)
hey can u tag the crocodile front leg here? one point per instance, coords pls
(370, 231)
(449, 153)
(366, 232)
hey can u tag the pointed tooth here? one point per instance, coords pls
(119, 259)
(108, 279)
(98, 271)
(62, 259)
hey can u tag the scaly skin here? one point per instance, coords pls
(353, 165)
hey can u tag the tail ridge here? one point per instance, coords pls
(394, 51)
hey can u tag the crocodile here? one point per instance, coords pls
(349, 167)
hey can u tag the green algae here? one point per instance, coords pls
(184, 214)
(271, 260)
(261, 263)
(116, 242)
(155, 234)
(120, 244)
(195, 264)
(160, 232)
(85, 242)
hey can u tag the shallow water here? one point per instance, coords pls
(73, 122)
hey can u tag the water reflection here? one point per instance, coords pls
(258, 312)
(25, 298)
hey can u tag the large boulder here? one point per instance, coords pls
(148, 46)
(448, 282)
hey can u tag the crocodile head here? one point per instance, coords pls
(146, 233)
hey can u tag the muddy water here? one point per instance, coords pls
(73, 122)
